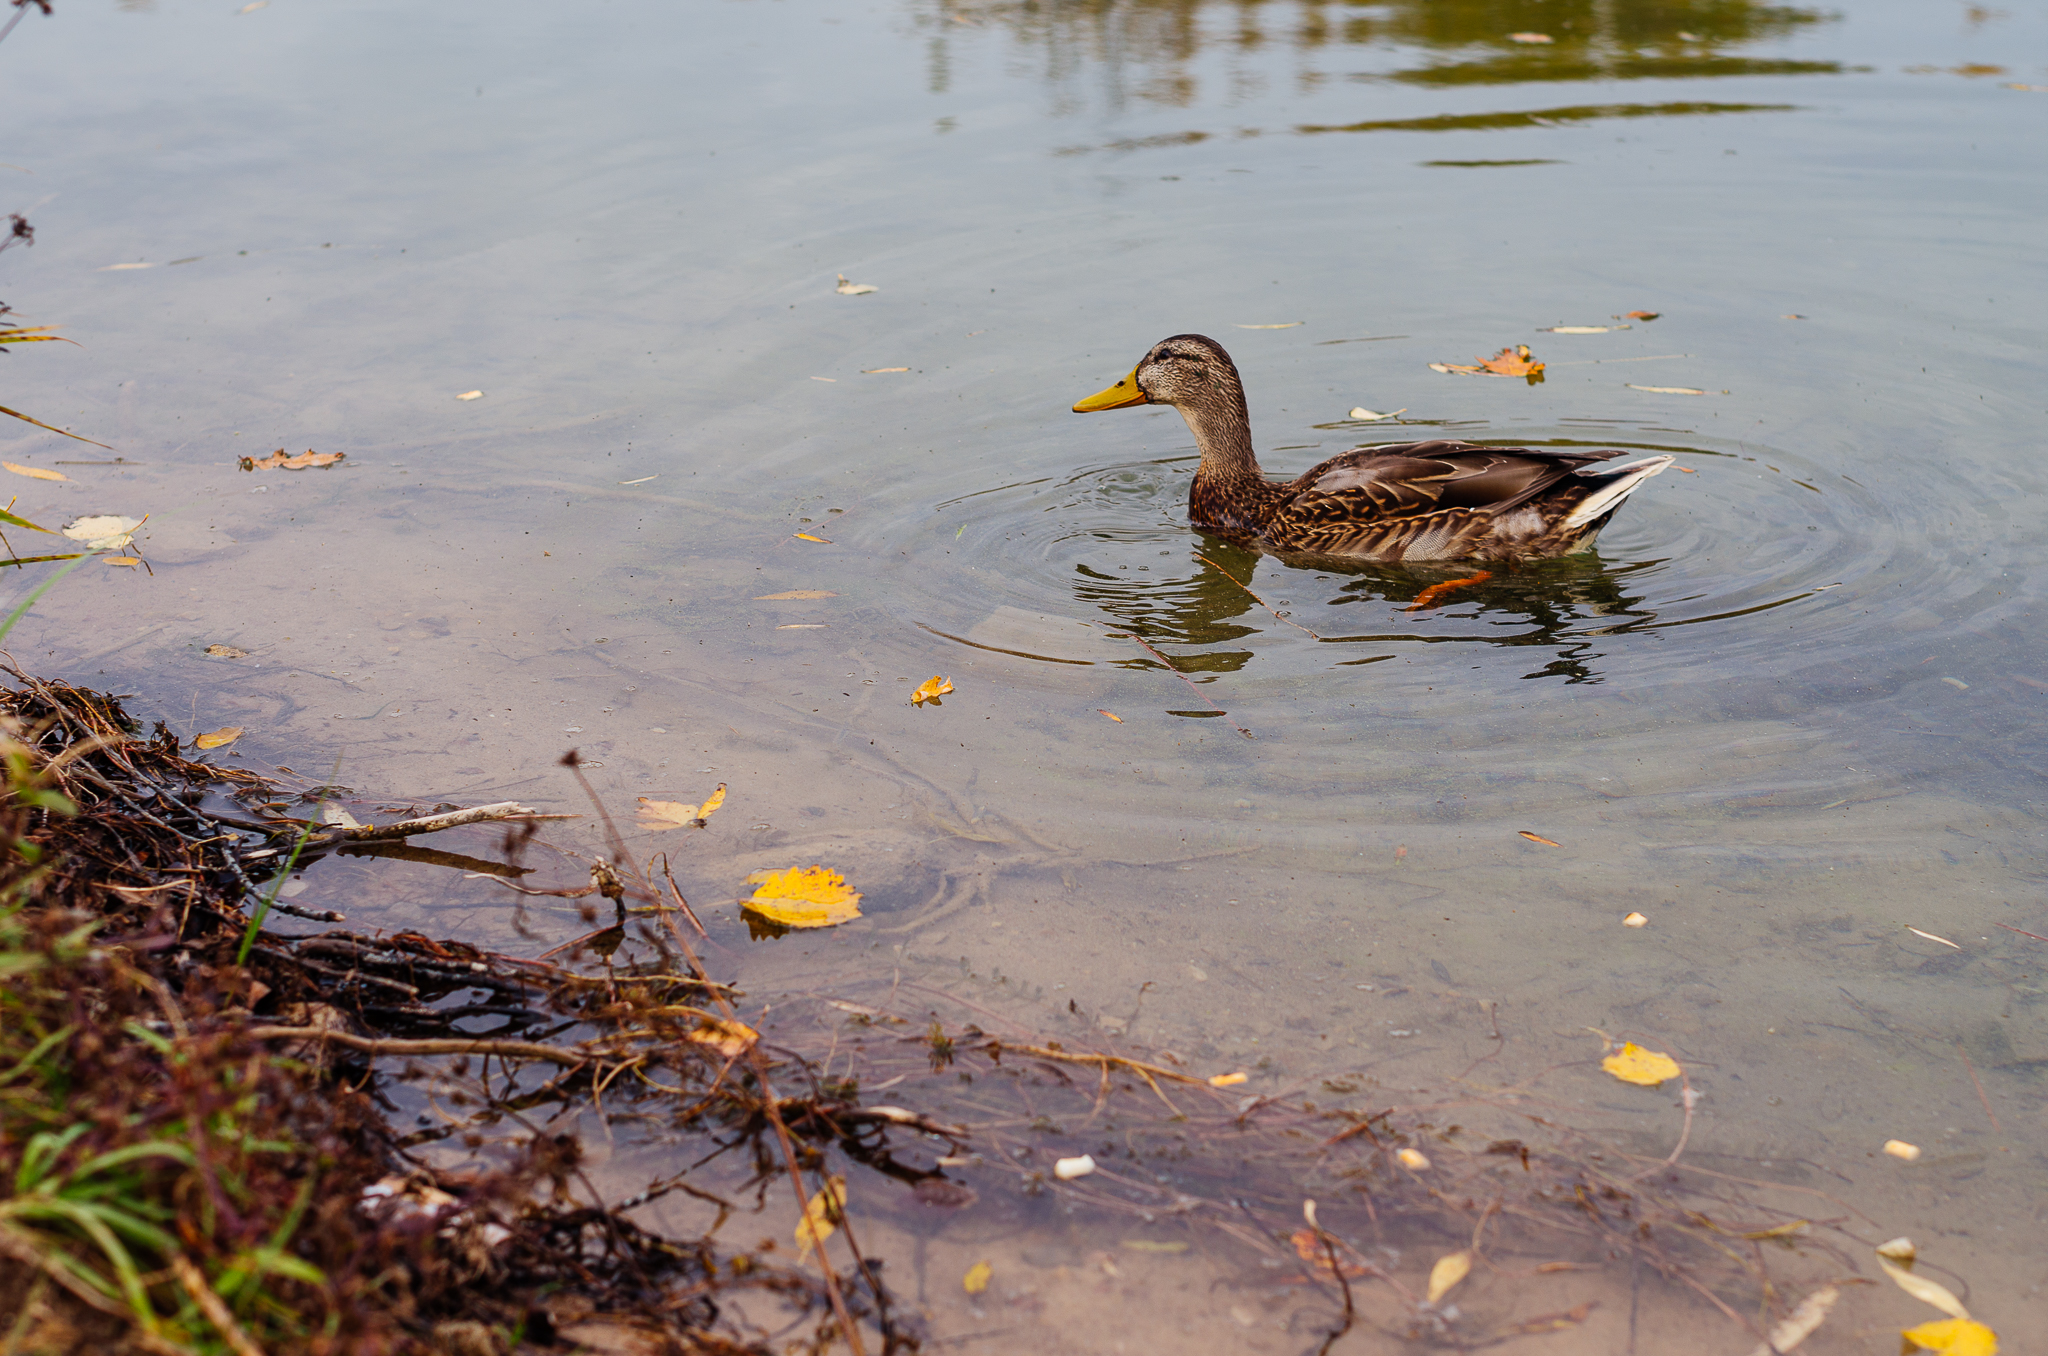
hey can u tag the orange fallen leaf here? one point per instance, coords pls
(1428, 597)
(730, 1039)
(1309, 1247)
(1400, 852)
(1229, 1080)
(803, 897)
(805, 536)
(279, 461)
(221, 738)
(34, 472)
(1538, 838)
(1644, 315)
(1111, 714)
(1513, 361)
(930, 690)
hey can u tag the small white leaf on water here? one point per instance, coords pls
(471, 395)
(853, 289)
(1530, 37)
(1635, 920)
(116, 268)
(253, 6)
(1898, 1148)
(103, 531)
(1365, 416)
(1800, 1323)
(1930, 936)
(1957, 683)
(1665, 390)
(1582, 329)
(1069, 1168)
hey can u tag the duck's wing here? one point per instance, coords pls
(1419, 478)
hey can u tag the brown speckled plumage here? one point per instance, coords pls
(1436, 500)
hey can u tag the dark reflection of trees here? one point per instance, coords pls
(1468, 40)
(1563, 606)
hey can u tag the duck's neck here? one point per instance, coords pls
(1229, 476)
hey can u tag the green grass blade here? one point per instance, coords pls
(40, 424)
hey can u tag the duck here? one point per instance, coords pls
(1439, 500)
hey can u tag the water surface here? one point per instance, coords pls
(1789, 708)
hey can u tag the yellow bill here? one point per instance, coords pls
(1124, 393)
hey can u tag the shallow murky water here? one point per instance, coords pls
(1791, 707)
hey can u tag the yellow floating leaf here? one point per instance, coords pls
(129, 561)
(854, 289)
(1538, 838)
(217, 739)
(930, 690)
(730, 1039)
(1635, 920)
(1530, 37)
(803, 897)
(226, 652)
(35, 472)
(976, 1279)
(1954, 1336)
(679, 814)
(805, 536)
(1897, 1257)
(471, 395)
(794, 595)
(1229, 1080)
(1413, 1159)
(1451, 1268)
(1111, 714)
(822, 1214)
(1898, 1148)
(103, 531)
(1633, 1064)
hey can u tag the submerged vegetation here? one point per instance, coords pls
(200, 1124)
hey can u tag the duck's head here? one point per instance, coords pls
(1188, 370)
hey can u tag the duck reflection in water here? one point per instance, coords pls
(1565, 606)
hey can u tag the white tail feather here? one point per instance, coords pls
(1621, 483)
